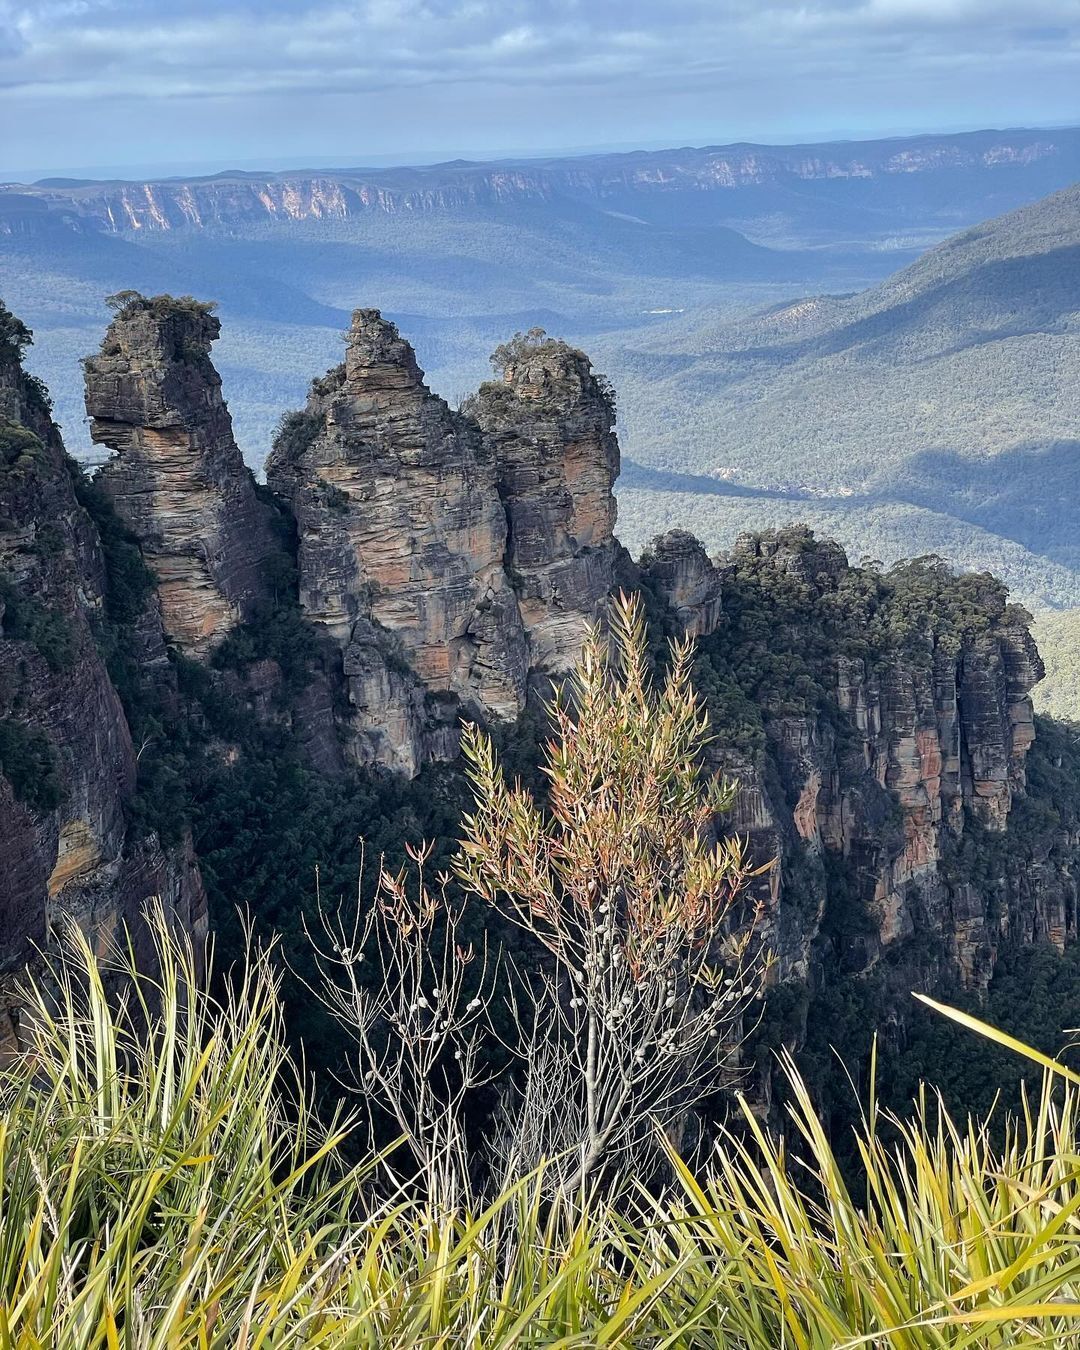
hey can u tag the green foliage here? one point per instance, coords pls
(125, 304)
(48, 632)
(933, 413)
(20, 450)
(189, 323)
(165, 1181)
(15, 337)
(159, 1163)
(296, 433)
(129, 581)
(792, 606)
(1057, 635)
(1034, 995)
(522, 346)
(282, 635)
(28, 763)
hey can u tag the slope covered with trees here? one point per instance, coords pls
(937, 412)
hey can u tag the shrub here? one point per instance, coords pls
(49, 632)
(28, 763)
(636, 1011)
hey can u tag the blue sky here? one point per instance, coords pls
(160, 84)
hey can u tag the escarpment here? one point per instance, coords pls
(177, 479)
(67, 761)
(551, 423)
(879, 725)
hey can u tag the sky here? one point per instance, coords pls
(169, 86)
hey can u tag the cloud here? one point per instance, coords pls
(557, 57)
(71, 49)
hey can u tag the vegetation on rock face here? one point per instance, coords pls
(792, 606)
(129, 581)
(46, 630)
(535, 342)
(20, 449)
(15, 337)
(28, 763)
(124, 304)
(296, 433)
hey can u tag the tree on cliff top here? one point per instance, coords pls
(125, 303)
(15, 337)
(635, 1011)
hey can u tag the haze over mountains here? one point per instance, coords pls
(937, 411)
(783, 347)
(588, 247)
(814, 188)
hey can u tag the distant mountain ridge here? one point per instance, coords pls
(951, 388)
(981, 168)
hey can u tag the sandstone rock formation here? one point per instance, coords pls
(401, 542)
(689, 584)
(551, 422)
(67, 763)
(879, 725)
(915, 744)
(177, 479)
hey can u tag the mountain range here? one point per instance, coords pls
(608, 251)
(937, 411)
(823, 188)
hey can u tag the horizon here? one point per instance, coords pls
(435, 159)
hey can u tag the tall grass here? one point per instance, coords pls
(163, 1183)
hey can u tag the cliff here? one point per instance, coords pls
(401, 541)
(229, 200)
(444, 563)
(177, 479)
(878, 724)
(67, 762)
(551, 423)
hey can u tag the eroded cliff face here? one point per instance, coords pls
(551, 423)
(229, 202)
(881, 744)
(402, 537)
(691, 586)
(67, 763)
(177, 478)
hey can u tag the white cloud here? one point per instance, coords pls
(755, 54)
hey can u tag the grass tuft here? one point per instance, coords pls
(164, 1185)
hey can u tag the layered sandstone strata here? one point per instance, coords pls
(551, 421)
(926, 741)
(67, 762)
(401, 539)
(177, 478)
